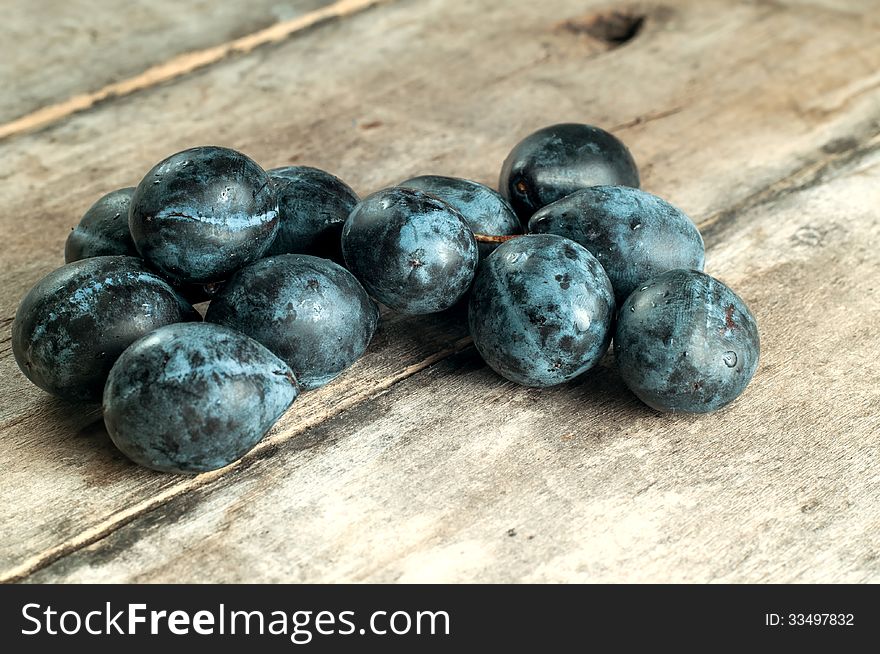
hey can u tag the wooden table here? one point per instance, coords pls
(761, 119)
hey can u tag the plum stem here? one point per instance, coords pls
(490, 238)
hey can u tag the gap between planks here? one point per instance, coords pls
(818, 170)
(182, 65)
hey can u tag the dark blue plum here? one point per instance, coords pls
(191, 398)
(310, 312)
(558, 160)
(541, 310)
(201, 214)
(686, 342)
(75, 322)
(633, 234)
(483, 208)
(411, 250)
(312, 207)
(103, 229)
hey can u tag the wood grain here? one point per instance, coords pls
(730, 110)
(67, 56)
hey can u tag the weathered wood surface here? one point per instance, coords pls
(760, 119)
(55, 50)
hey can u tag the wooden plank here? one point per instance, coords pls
(456, 475)
(58, 50)
(61, 454)
(689, 94)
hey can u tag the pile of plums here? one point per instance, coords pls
(569, 254)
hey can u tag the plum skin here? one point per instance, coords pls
(541, 310)
(483, 208)
(558, 160)
(73, 324)
(203, 213)
(686, 343)
(411, 250)
(194, 397)
(634, 234)
(311, 312)
(313, 205)
(103, 229)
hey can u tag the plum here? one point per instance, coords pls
(103, 229)
(311, 312)
(686, 342)
(633, 234)
(560, 159)
(194, 397)
(541, 310)
(483, 208)
(313, 205)
(201, 214)
(74, 323)
(411, 250)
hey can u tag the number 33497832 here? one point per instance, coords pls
(811, 619)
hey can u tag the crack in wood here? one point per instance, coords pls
(646, 118)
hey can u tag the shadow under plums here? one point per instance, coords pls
(429, 333)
